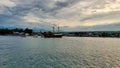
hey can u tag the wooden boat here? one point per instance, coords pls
(52, 35)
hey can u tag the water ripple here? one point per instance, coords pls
(66, 52)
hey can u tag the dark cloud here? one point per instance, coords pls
(63, 4)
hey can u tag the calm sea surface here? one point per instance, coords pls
(66, 52)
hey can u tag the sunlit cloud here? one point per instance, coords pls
(31, 19)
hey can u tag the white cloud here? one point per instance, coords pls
(4, 4)
(7, 3)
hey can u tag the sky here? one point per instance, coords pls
(70, 15)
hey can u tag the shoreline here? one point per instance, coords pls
(63, 36)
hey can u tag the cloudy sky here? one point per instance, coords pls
(71, 15)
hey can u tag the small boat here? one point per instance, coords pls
(35, 36)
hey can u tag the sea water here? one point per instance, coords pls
(66, 52)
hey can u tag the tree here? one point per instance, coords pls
(28, 31)
(18, 30)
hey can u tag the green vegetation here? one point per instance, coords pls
(6, 31)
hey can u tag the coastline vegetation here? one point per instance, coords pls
(30, 32)
(6, 31)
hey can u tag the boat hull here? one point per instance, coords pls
(52, 35)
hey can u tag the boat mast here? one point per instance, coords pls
(58, 29)
(53, 29)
